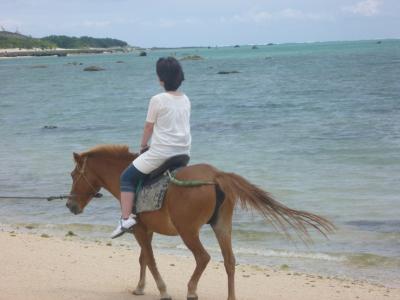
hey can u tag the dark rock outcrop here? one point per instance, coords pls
(227, 72)
(191, 57)
(93, 68)
(38, 67)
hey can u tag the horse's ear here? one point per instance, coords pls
(77, 157)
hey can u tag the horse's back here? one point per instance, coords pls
(185, 208)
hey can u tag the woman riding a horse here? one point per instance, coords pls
(168, 126)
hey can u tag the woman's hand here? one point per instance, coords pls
(144, 148)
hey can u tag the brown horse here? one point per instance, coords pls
(185, 210)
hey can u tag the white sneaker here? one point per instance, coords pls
(123, 226)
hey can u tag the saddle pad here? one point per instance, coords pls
(151, 196)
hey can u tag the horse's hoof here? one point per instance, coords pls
(192, 298)
(168, 298)
(138, 292)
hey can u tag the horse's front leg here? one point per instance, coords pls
(142, 280)
(147, 258)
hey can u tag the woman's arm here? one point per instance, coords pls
(147, 132)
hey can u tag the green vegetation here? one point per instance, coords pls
(70, 233)
(284, 267)
(17, 40)
(67, 42)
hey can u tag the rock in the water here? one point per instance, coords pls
(270, 44)
(143, 53)
(227, 72)
(236, 46)
(50, 127)
(74, 63)
(254, 47)
(38, 67)
(93, 68)
(192, 57)
(119, 61)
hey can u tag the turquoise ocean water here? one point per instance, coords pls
(317, 125)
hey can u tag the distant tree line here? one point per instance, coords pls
(17, 40)
(67, 42)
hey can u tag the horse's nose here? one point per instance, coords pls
(68, 205)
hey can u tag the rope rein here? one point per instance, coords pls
(50, 198)
(82, 175)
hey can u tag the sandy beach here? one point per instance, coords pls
(16, 52)
(40, 266)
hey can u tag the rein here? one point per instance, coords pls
(50, 198)
(81, 171)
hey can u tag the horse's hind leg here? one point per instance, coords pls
(192, 241)
(144, 240)
(223, 232)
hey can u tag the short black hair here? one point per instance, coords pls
(169, 71)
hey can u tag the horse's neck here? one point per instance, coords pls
(109, 173)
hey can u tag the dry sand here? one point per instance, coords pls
(35, 266)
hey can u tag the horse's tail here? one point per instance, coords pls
(238, 189)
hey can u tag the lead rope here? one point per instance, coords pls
(188, 183)
(50, 198)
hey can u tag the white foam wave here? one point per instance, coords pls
(279, 253)
(290, 254)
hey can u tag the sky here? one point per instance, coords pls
(149, 23)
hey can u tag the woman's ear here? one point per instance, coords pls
(161, 83)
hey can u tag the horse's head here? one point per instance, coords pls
(85, 184)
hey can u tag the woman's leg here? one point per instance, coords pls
(129, 180)
(127, 203)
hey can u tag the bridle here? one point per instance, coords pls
(81, 172)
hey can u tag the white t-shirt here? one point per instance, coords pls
(171, 133)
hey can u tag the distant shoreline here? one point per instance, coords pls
(61, 52)
(23, 52)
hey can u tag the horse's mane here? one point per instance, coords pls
(114, 151)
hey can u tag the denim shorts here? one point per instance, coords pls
(130, 179)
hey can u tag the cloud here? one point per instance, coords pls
(300, 15)
(365, 8)
(285, 14)
(170, 23)
(96, 24)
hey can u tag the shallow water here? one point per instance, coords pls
(317, 125)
